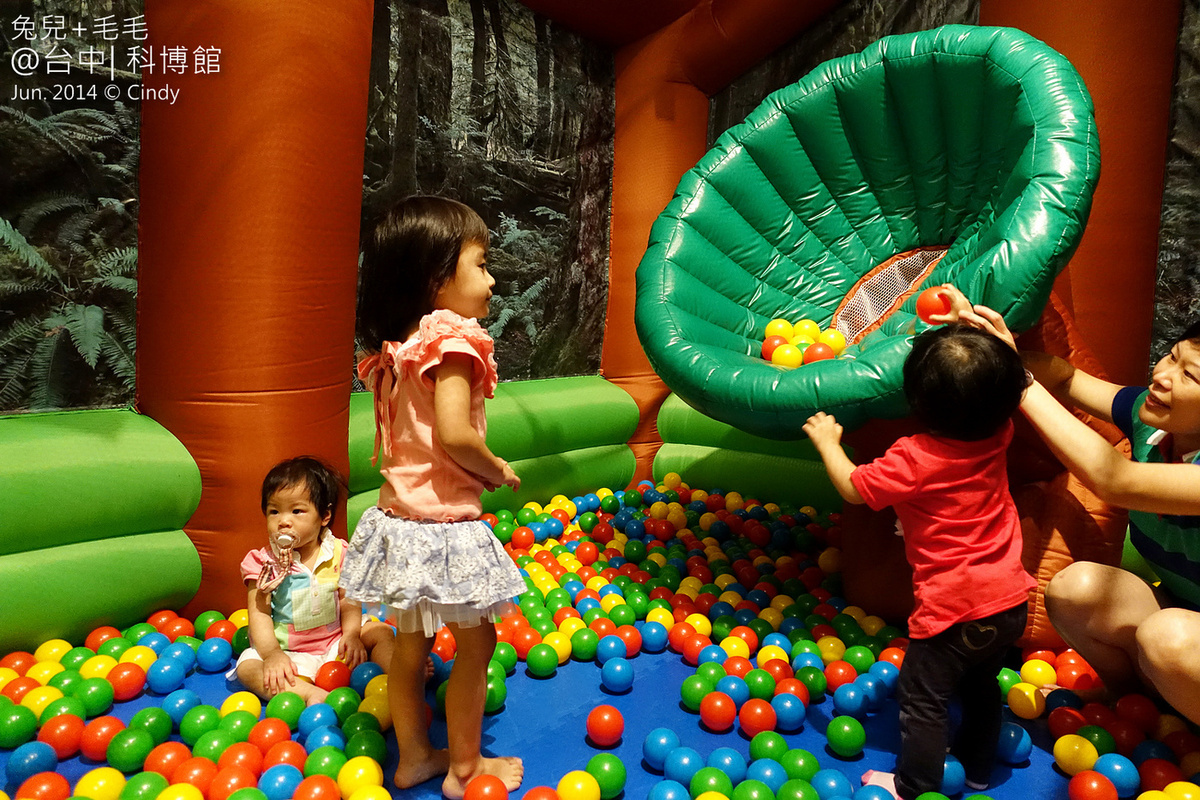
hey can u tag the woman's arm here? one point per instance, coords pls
(460, 440)
(1072, 386)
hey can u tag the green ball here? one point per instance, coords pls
(526, 516)
(206, 618)
(114, 647)
(711, 671)
(935, 796)
(761, 684)
(709, 779)
(344, 701)
(752, 790)
(1007, 679)
(761, 628)
(497, 693)
(889, 632)
(439, 696)
(210, 745)
(859, 657)
(326, 760)
(583, 644)
(609, 772)
(593, 614)
(587, 521)
(635, 550)
(18, 725)
(693, 690)
(542, 661)
(96, 694)
(545, 626)
(806, 645)
(610, 504)
(367, 743)
(127, 750)
(800, 764)
(504, 515)
(359, 721)
(241, 640)
(248, 793)
(504, 531)
(155, 721)
(768, 744)
(144, 786)
(238, 724)
(134, 633)
(495, 670)
(190, 641)
(63, 705)
(506, 655)
(814, 681)
(797, 789)
(846, 736)
(74, 658)
(623, 615)
(66, 681)
(632, 498)
(721, 627)
(198, 721)
(287, 706)
(1102, 739)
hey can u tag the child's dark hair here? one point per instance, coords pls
(409, 252)
(1190, 334)
(323, 482)
(963, 383)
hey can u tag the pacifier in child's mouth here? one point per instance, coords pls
(273, 572)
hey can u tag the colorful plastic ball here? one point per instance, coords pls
(831, 783)
(1026, 701)
(127, 751)
(18, 725)
(363, 673)
(166, 758)
(179, 702)
(1150, 748)
(212, 744)
(846, 736)
(681, 764)
(787, 355)
(717, 711)
(542, 660)
(654, 637)
(325, 736)
(1156, 773)
(96, 694)
(358, 772)
(482, 787)
(249, 793)
(326, 761)
(318, 787)
(102, 783)
(850, 700)
(144, 786)
(609, 772)
(318, 715)
(370, 744)
(287, 706)
(789, 711)
(728, 761)
(96, 736)
(63, 734)
(1120, 771)
(1091, 785)
(668, 790)
(198, 772)
(954, 777)
(44, 786)
(710, 779)
(617, 675)
(280, 781)
(578, 785)
(934, 301)
(198, 721)
(1015, 745)
(605, 725)
(610, 647)
(244, 755)
(332, 675)
(657, 745)
(214, 655)
(1074, 754)
(28, 760)
(229, 780)
(800, 763)
(756, 716)
(165, 675)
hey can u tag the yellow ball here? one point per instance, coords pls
(688, 592)
(678, 518)
(733, 598)
(371, 793)
(691, 583)
(176, 791)
(241, 618)
(377, 707)
(38, 698)
(1038, 672)
(856, 612)
(376, 686)
(834, 338)
(706, 520)
(771, 616)
(711, 795)
(658, 558)
(1074, 754)
(659, 510)
(734, 646)
(809, 512)
(672, 480)
(830, 560)
(611, 601)
(242, 701)
(578, 785)
(734, 501)
(832, 646)
(800, 342)
(661, 616)
(572, 624)
(787, 355)
(139, 654)
(52, 650)
(1182, 790)
(1027, 702)
(779, 327)
(561, 645)
(773, 509)
(1154, 794)
(358, 772)
(724, 580)
(781, 601)
(699, 494)
(43, 671)
(701, 623)
(806, 327)
(1168, 724)
(871, 624)
(103, 783)
(597, 583)
(7, 674)
(603, 493)
(762, 560)
(97, 667)
(771, 652)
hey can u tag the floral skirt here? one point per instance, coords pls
(429, 573)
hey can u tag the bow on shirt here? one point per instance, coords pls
(378, 373)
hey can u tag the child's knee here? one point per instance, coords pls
(1168, 639)
(1077, 584)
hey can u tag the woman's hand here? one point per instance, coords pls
(989, 321)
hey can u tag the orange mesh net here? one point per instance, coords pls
(882, 290)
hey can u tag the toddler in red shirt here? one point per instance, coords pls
(962, 536)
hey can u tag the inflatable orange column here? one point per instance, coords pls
(251, 184)
(1125, 51)
(663, 85)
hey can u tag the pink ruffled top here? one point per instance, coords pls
(421, 481)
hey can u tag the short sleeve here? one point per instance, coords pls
(252, 564)
(889, 479)
(443, 332)
(1124, 403)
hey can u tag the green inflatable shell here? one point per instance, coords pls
(974, 149)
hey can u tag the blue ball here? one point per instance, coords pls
(850, 700)
(166, 675)
(720, 609)
(1121, 771)
(573, 587)
(178, 703)
(1062, 697)
(155, 641)
(611, 588)
(1152, 748)
(888, 672)
(789, 711)
(874, 688)
(325, 736)
(736, 688)
(635, 529)
(610, 647)
(586, 604)
(778, 639)
(759, 598)
(1015, 745)
(729, 761)
(657, 745)
(788, 625)
(831, 783)
(872, 793)
(954, 777)
(654, 637)
(182, 653)
(617, 675)
(713, 653)
(668, 790)
(591, 502)
(280, 781)
(554, 528)
(802, 660)
(769, 771)
(318, 715)
(28, 760)
(214, 655)
(681, 764)
(441, 670)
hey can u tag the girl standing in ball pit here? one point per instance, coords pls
(1130, 632)
(422, 551)
(298, 618)
(962, 536)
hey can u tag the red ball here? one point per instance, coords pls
(524, 640)
(770, 344)
(19, 687)
(96, 736)
(177, 627)
(486, 787)
(780, 670)
(737, 666)
(540, 793)
(99, 636)
(127, 680)
(1140, 710)
(244, 755)
(605, 725)
(1156, 773)
(838, 674)
(692, 647)
(793, 686)
(288, 752)
(1126, 735)
(1064, 720)
(932, 302)
(317, 787)
(221, 629)
(44, 786)
(197, 771)
(718, 711)
(269, 732)
(332, 675)
(523, 538)
(160, 618)
(228, 780)
(756, 716)
(1091, 785)
(19, 661)
(892, 654)
(679, 635)
(632, 638)
(1098, 714)
(603, 626)
(818, 351)
(166, 758)
(747, 635)
(63, 733)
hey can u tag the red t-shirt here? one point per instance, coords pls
(962, 534)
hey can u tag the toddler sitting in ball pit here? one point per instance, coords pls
(299, 618)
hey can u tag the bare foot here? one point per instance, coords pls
(874, 777)
(410, 772)
(507, 768)
(428, 669)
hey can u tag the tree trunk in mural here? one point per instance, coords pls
(378, 86)
(479, 53)
(545, 97)
(404, 146)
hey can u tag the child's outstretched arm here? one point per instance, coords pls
(826, 435)
(452, 404)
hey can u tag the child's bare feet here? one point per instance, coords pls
(410, 773)
(874, 777)
(428, 669)
(507, 768)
